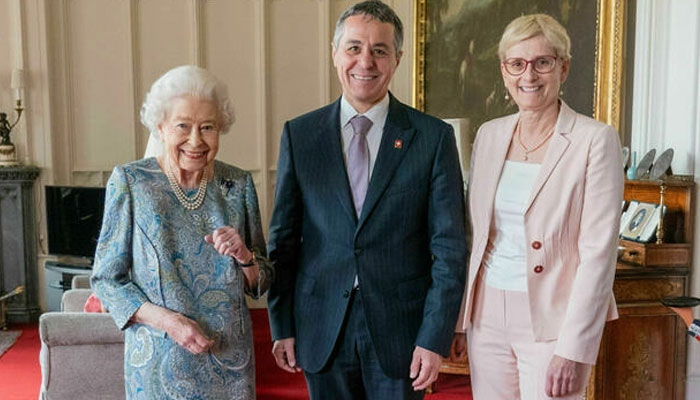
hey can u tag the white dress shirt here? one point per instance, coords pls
(377, 114)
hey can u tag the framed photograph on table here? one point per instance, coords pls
(649, 231)
(625, 218)
(634, 229)
(457, 69)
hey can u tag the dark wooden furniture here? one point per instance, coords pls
(643, 354)
(18, 251)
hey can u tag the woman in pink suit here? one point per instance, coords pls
(545, 192)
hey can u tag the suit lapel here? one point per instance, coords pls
(397, 128)
(557, 146)
(497, 151)
(330, 147)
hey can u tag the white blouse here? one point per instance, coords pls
(505, 258)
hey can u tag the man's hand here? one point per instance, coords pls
(564, 377)
(424, 368)
(283, 351)
(458, 351)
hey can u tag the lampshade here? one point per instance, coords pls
(17, 78)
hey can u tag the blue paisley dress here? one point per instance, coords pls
(151, 249)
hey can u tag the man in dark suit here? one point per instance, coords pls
(367, 233)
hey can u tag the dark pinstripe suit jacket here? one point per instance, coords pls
(407, 248)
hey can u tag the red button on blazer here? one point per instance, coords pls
(539, 269)
(536, 245)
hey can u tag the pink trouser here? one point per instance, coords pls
(505, 361)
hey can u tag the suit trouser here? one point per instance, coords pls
(353, 371)
(505, 361)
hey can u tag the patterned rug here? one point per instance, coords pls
(7, 339)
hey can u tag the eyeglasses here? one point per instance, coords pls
(541, 65)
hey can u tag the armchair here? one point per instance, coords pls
(82, 354)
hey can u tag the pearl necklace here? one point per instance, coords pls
(195, 202)
(525, 149)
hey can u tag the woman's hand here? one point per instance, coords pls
(229, 242)
(187, 333)
(184, 331)
(564, 377)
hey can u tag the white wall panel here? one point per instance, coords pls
(100, 82)
(402, 83)
(163, 40)
(294, 69)
(7, 61)
(36, 102)
(336, 8)
(231, 41)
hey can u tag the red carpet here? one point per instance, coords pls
(275, 384)
(20, 376)
(271, 383)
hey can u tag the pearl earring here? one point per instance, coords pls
(506, 97)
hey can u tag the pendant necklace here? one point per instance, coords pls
(525, 149)
(189, 203)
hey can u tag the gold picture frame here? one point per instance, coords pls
(609, 59)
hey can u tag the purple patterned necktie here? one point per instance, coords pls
(358, 160)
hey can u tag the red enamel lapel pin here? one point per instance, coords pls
(398, 143)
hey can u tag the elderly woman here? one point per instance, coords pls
(181, 243)
(545, 193)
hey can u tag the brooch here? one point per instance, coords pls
(226, 184)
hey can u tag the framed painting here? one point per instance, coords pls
(456, 65)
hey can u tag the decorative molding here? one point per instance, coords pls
(695, 141)
(69, 115)
(642, 77)
(197, 34)
(134, 54)
(419, 25)
(19, 174)
(41, 88)
(9, 192)
(19, 28)
(324, 32)
(261, 34)
(18, 32)
(610, 47)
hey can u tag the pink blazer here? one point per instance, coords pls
(571, 224)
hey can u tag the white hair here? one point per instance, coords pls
(180, 81)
